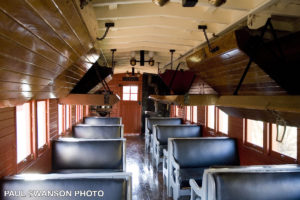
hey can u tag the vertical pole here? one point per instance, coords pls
(172, 52)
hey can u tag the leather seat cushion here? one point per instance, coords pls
(190, 173)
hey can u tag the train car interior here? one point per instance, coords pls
(150, 99)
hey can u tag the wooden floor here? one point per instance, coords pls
(147, 183)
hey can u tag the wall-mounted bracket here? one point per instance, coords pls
(107, 25)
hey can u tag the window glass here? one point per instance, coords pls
(288, 146)
(188, 113)
(176, 111)
(126, 89)
(223, 122)
(23, 132)
(60, 119)
(130, 93)
(195, 113)
(211, 117)
(133, 97)
(134, 89)
(41, 123)
(67, 117)
(255, 132)
(126, 97)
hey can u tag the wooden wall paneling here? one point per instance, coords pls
(73, 114)
(8, 157)
(53, 118)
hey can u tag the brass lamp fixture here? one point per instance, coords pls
(142, 60)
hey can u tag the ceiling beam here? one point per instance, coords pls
(161, 22)
(231, 5)
(193, 35)
(170, 11)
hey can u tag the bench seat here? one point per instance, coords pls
(102, 120)
(112, 186)
(98, 132)
(189, 157)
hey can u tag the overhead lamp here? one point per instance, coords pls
(160, 2)
(217, 3)
(142, 60)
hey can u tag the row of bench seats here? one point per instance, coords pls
(92, 164)
(208, 168)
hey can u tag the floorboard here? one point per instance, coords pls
(147, 183)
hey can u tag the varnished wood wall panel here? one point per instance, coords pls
(53, 118)
(7, 141)
(46, 47)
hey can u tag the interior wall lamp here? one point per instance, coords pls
(142, 60)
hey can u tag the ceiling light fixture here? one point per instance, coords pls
(142, 60)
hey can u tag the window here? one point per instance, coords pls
(211, 117)
(60, 119)
(288, 146)
(130, 93)
(41, 123)
(195, 113)
(67, 117)
(255, 132)
(188, 113)
(223, 122)
(77, 113)
(176, 111)
(23, 132)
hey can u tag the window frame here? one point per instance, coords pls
(40, 151)
(63, 119)
(251, 145)
(130, 93)
(279, 155)
(211, 131)
(69, 117)
(192, 115)
(218, 123)
(186, 115)
(25, 162)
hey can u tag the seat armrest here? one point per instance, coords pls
(195, 189)
(165, 153)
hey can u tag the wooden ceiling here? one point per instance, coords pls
(142, 25)
(46, 47)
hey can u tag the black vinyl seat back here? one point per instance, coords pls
(62, 186)
(257, 186)
(102, 120)
(82, 154)
(205, 152)
(163, 132)
(162, 121)
(97, 132)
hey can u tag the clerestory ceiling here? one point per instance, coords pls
(142, 25)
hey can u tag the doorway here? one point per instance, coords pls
(131, 108)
